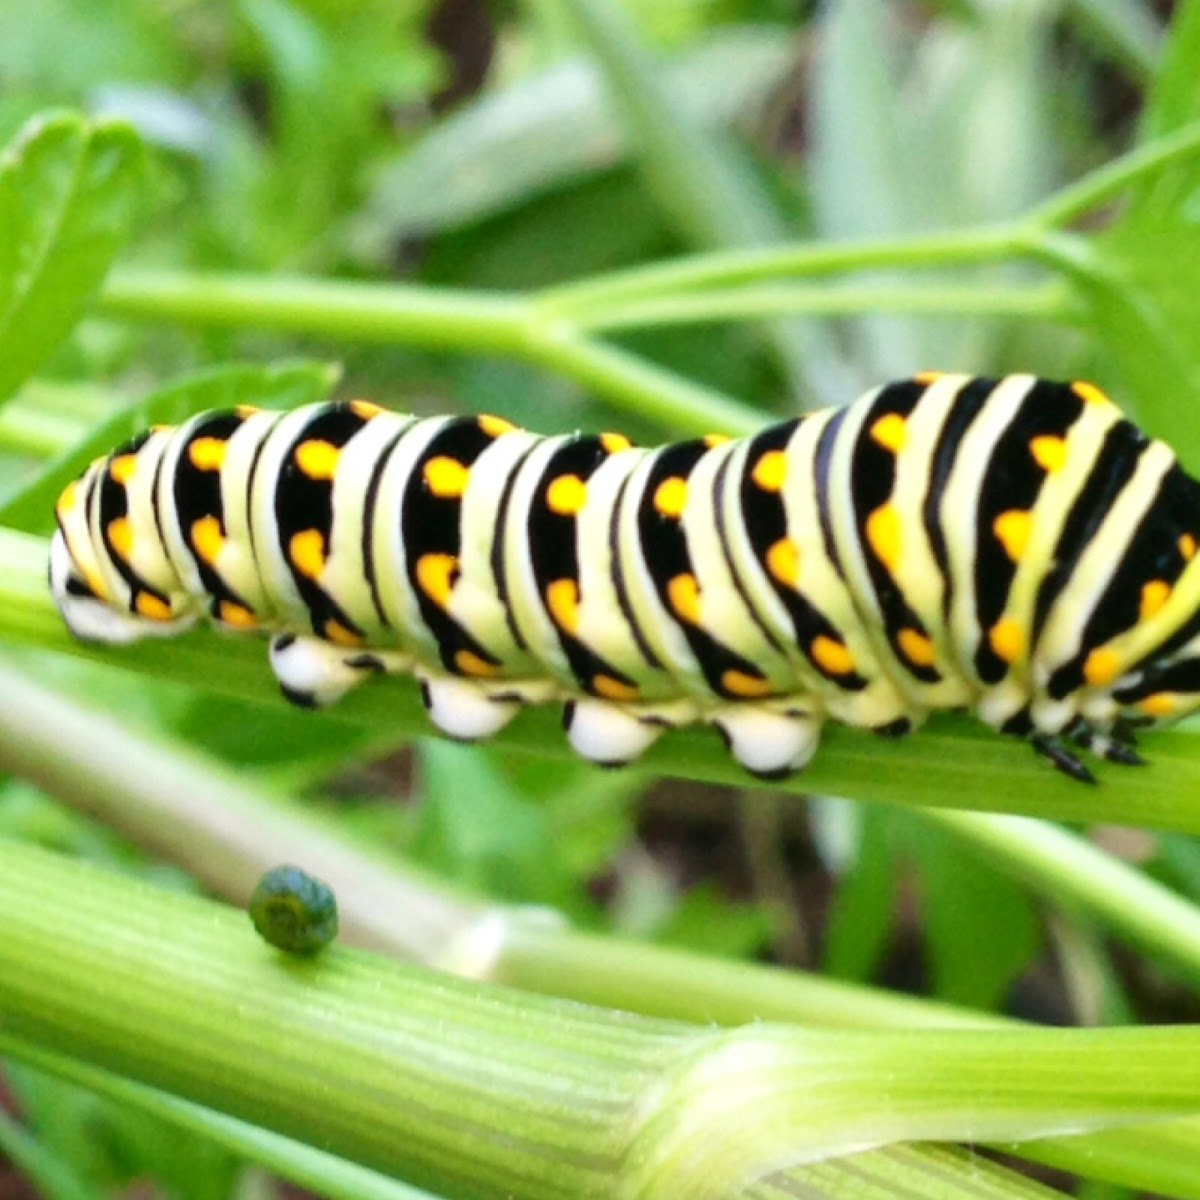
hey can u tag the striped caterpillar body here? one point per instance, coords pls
(1010, 546)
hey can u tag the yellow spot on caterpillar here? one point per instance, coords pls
(207, 539)
(1089, 393)
(927, 377)
(783, 562)
(68, 500)
(470, 663)
(206, 454)
(713, 440)
(1012, 530)
(120, 536)
(236, 616)
(770, 472)
(436, 574)
(890, 432)
(247, 410)
(317, 459)
(1101, 667)
(1187, 546)
(364, 410)
(1154, 595)
(613, 689)
(1161, 704)
(562, 599)
(614, 443)
(446, 477)
(152, 608)
(683, 593)
(337, 633)
(745, 686)
(122, 468)
(566, 496)
(307, 552)
(1007, 640)
(670, 497)
(883, 533)
(832, 656)
(495, 427)
(1049, 452)
(916, 647)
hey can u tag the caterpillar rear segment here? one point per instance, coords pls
(1009, 546)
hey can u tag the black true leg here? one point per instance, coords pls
(1062, 758)
(1116, 746)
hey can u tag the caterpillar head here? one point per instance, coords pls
(88, 615)
(99, 599)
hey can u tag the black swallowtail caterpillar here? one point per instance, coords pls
(1010, 546)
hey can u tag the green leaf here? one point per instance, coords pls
(68, 190)
(967, 904)
(552, 127)
(861, 917)
(1141, 282)
(283, 386)
(1174, 99)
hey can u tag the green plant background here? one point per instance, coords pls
(578, 213)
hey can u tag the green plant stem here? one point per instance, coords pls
(182, 807)
(1108, 181)
(415, 1073)
(953, 763)
(1019, 239)
(305, 1166)
(930, 1171)
(1075, 872)
(202, 817)
(34, 432)
(469, 322)
(736, 268)
(1043, 302)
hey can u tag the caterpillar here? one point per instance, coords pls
(1010, 546)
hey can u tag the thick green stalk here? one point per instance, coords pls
(202, 817)
(305, 1166)
(415, 1073)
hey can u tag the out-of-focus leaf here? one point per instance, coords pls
(949, 129)
(1127, 29)
(967, 905)
(1142, 284)
(1174, 98)
(710, 923)
(113, 1146)
(68, 190)
(284, 386)
(478, 828)
(61, 50)
(595, 224)
(529, 833)
(861, 918)
(546, 129)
